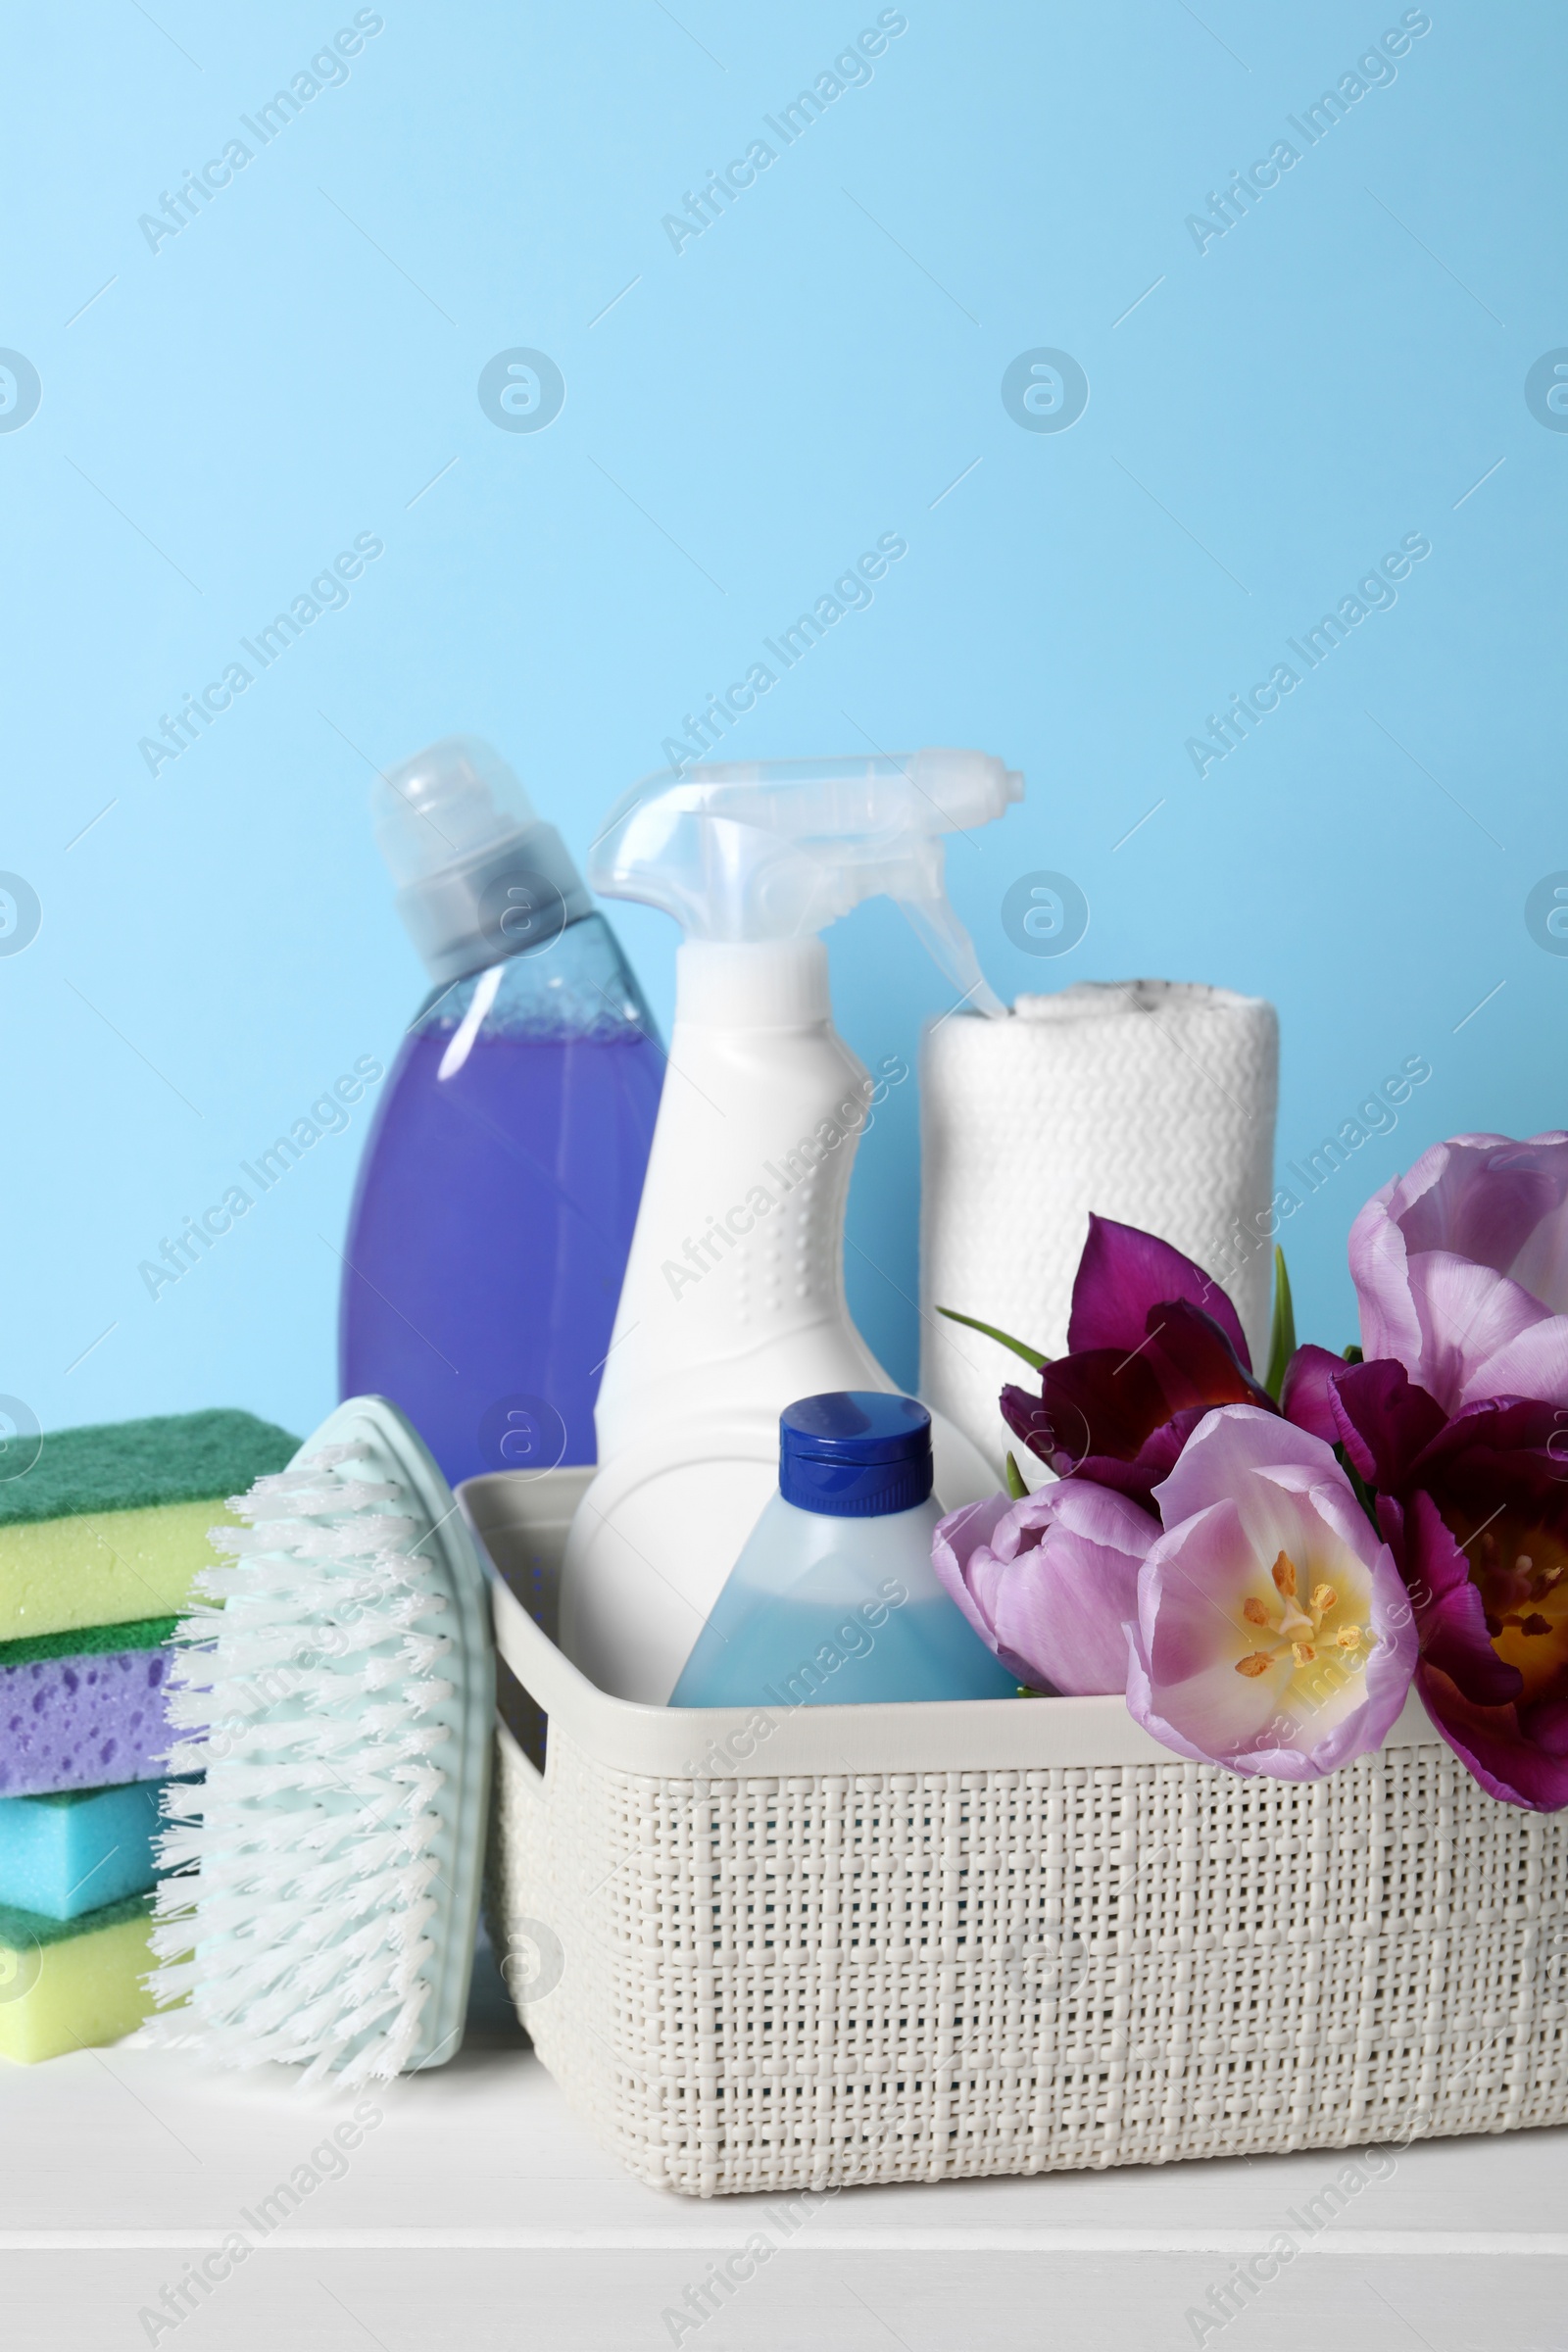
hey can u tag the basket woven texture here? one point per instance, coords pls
(776, 1982)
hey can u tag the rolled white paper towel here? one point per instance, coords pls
(1148, 1101)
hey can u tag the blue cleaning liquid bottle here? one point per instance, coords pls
(499, 1186)
(833, 1599)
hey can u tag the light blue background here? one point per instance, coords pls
(299, 364)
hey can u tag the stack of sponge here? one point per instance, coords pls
(99, 1545)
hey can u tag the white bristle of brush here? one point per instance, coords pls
(294, 1931)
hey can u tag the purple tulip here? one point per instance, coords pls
(1154, 1344)
(1475, 1506)
(1272, 1635)
(1461, 1269)
(1050, 1581)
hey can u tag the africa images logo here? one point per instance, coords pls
(20, 390)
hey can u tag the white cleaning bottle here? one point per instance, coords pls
(733, 1303)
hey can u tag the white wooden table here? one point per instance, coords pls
(479, 2213)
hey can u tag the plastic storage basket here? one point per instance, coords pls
(837, 1945)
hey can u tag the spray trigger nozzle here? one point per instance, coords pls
(778, 848)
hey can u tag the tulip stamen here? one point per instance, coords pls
(1294, 1629)
(1520, 1572)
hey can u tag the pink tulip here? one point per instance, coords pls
(1272, 1632)
(1050, 1581)
(1461, 1269)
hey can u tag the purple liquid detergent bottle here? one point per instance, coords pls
(500, 1182)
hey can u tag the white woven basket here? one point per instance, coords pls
(868, 1943)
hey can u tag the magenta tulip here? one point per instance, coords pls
(1154, 1344)
(1476, 1508)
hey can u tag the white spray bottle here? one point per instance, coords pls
(733, 1304)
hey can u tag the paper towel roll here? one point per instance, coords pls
(1148, 1101)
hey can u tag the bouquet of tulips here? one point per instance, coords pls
(1264, 1566)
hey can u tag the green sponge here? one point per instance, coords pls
(72, 1985)
(87, 1642)
(111, 1524)
(177, 1457)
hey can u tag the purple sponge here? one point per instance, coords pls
(84, 1710)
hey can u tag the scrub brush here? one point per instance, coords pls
(338, 1693)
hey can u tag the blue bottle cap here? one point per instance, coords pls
(855, 1454)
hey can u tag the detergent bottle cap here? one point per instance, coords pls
(855, 1454)
(774, 850)
(479, 877)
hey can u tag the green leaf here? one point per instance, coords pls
(1015, 1486)
(1031, 1355)
(1282, 1331)
(1352, 1354)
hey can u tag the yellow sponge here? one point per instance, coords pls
(110, 1524)
(72, 1986)
(67, 1573)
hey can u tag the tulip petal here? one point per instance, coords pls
(1545, 1726)
(1065, 1618)
(1154, 1460)
(1306, 1393)
(1226, 1447)
(1191, 1592)
(1461, 1268)
(1217, 1717)
(1122, 1273)
(1380, 1270)
(959, 1537)
(1469, 1315)
(1490, 1741)
(1487, 1198)
(1121, 1417)
(1451, 1612)
(1534, 1362)
(1505, 1446)
(1047, 1581)
(1097, 1400)
(1383, 1420)
(1193, 1360)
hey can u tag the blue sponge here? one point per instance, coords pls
(64, 1855)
